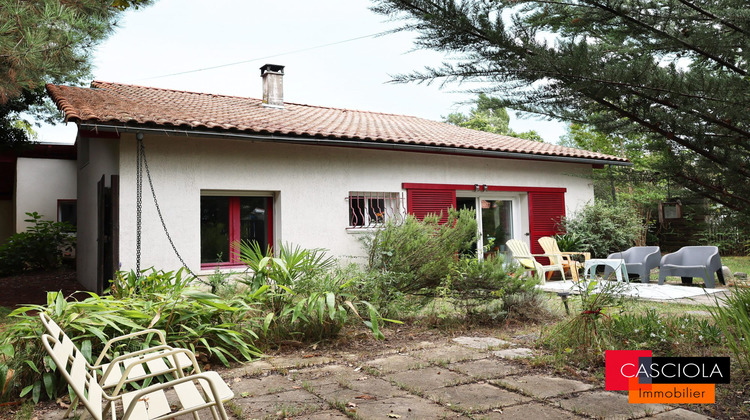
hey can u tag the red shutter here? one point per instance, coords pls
(545, 211)
(421, 202)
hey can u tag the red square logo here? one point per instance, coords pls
(620, 366)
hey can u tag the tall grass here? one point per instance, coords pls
(732, 316)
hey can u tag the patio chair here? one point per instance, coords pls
(692, 261)
(112, 371)
(522, 254)
(549, 245)
(195, 392)
(639, 260)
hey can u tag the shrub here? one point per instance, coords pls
(216, 328)
(39, 248)
(732, 317)
(305, 297)
(472, 284)
(605, 228)
(420, 253)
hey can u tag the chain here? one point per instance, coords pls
(139, 203)
(158, 211)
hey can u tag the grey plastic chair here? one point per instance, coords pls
(693, 261)
(639, 260)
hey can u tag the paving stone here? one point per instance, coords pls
(323, 415)
(251, 368)
(530, 411)
(395, 363)
(681, 414)
(368, 389)
(427, 378)
(299, 362)
(326, 374)
(407, 407)
(376, 387)
(485, 368)
(449, 354)
(482, 343)
(263, 385)
(519, 353)
(280, 405)
(608, 405)
(543, 386)
(475, 397)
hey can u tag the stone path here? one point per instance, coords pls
(463, 378)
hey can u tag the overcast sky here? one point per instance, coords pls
(325, 45)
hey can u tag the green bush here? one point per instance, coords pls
(217, 328)
(39, 248)
(605, 228)
(419, 254)
(732, 317)
(472, 284)
(305, 298)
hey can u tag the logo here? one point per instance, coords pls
(672, 380)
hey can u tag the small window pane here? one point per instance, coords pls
(253, 220)
(214, 230)
(66, 212)
(356, 211)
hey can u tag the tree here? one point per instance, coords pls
(489, 115)
(45, 41)
(673, 71)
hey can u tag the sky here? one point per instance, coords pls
(330, 55)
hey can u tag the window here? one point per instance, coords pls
(369, 209)
(227, 220)
(66, 212)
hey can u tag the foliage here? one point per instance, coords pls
(47, 41)
(148, 282)
(605, 322)
(651, 68)
(732, 317)
(419, 253)
(219, 328)
(489, 115)
(605, 228)
(471, 284)
(570, 242)
(305, 298)
(39, 248)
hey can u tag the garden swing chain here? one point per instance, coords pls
(142, 162)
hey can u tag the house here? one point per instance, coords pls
(38, 178)
(226, 168)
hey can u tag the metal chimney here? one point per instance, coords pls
(273, 85)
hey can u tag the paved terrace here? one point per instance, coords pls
(460, 378)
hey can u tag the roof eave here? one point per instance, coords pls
(349, 142)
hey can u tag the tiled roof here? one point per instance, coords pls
(120, 104)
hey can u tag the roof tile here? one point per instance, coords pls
(115, 103)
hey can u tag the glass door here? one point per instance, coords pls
(495, 221)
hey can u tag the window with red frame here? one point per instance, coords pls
(228, 220)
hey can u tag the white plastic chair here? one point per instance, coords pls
(522, 254)
(194, 392)
(112, 371)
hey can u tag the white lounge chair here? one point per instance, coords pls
(522, 254)
(193, 393)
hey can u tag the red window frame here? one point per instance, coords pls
(234, 232)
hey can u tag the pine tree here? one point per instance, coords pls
(44, 41)
(673, 71)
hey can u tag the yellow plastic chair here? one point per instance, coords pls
(549, 245)
(522, 254)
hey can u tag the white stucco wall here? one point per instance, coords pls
(96, 157)
(310, 182)
(39, 184)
